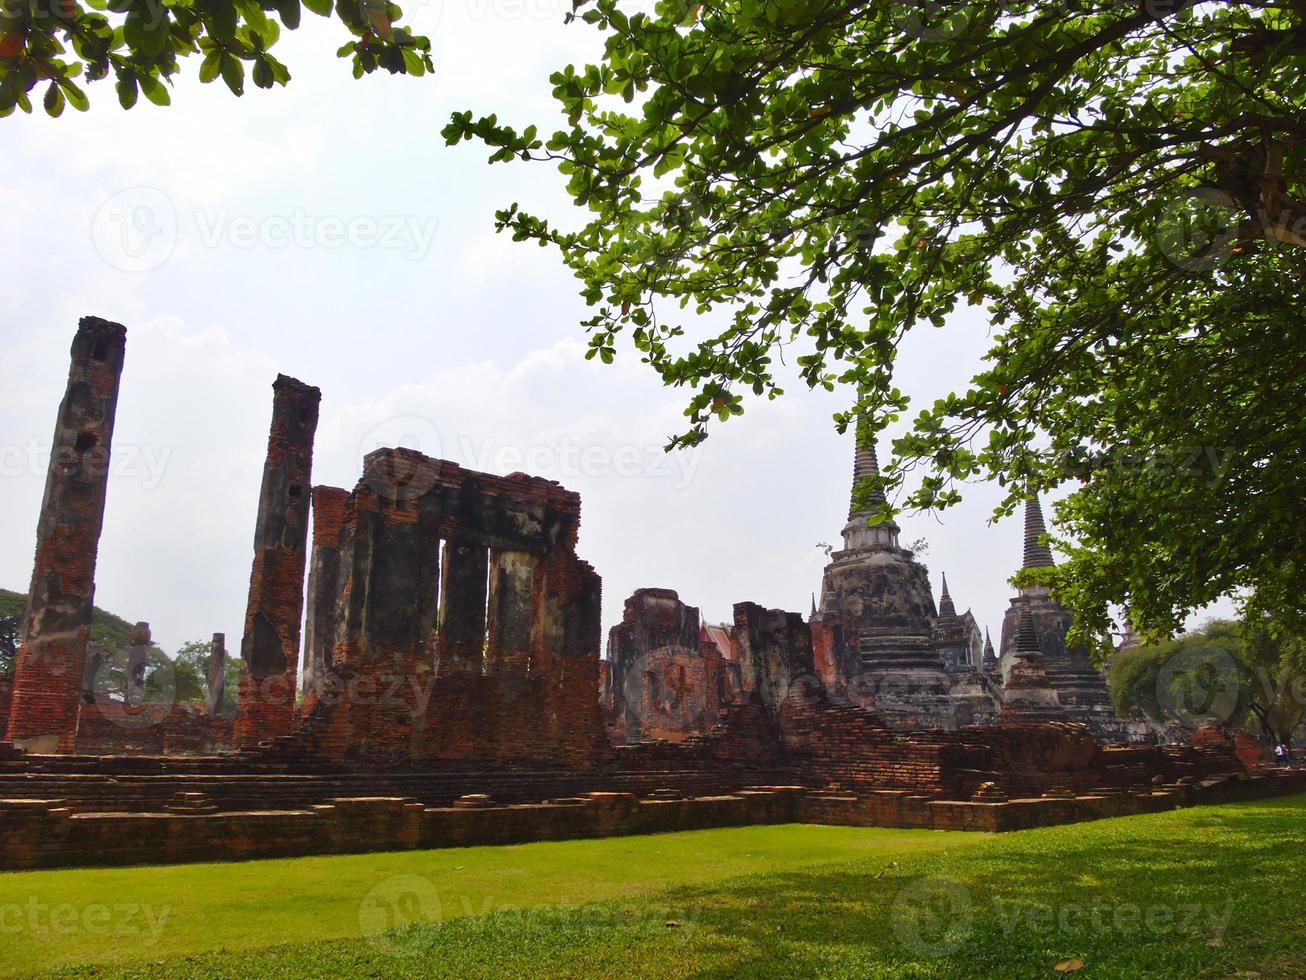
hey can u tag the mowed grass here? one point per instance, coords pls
(1206, 892)
(56, 918)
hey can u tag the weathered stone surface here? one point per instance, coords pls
(323, 583)
(666, 672)
(215, 675)
(56, 625)
(270, 647)
(466, 627)
(138, 660)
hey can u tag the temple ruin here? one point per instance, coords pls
(454, 690)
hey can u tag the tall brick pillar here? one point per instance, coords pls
(57, 624)
(323, 583)
(269, 649)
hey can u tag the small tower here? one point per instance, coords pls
(946, 607)
(1026, 690)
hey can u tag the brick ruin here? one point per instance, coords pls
(463, 624)
(876, 639)
(57, 623)
(269, 650)
(454, 691)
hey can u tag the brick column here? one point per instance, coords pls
(512, 610)
(57, 623)
(323, 583)
(215, 675)
(462, 624)
(269, 649)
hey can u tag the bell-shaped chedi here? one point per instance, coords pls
(1080, 685)
(880, 598)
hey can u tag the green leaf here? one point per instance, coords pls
(211, 65)
(155, 90)
(233, 73)
(126, 89)
(54, 100)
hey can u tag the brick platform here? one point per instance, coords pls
(48, 833)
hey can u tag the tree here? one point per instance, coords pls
(192, 663)
(9, 629)
(1118, 184)
(51, 43)
(1248, 674)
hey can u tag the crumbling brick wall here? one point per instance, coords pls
(666, 678)
(323, 583)
(111, 728)
(775, 651)
(466, 627)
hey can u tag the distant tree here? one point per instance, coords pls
(54, 44)
(1277, 658)
(1251, 676)
(9, 630)
(192, 668)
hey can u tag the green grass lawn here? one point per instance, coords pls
(1214, 891)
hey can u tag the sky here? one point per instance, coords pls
(324, 231)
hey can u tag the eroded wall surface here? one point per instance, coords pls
(466, 628)
(57, 624)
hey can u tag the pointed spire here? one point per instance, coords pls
(865, 466)
(988, 646)
(1026, 636)
(813, 605)
(1037, 555)
(858, 533)
(946, 608)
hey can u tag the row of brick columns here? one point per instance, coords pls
(48, 685)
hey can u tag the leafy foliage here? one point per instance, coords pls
(9, 626)
(109, 631)
(191, 663)
(1119, 185)
(1252, 674)
(50, 44)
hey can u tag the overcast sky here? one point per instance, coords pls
(325, 231)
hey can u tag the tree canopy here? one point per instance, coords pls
(1118, 185)
(52, 44)
(1242, 674)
